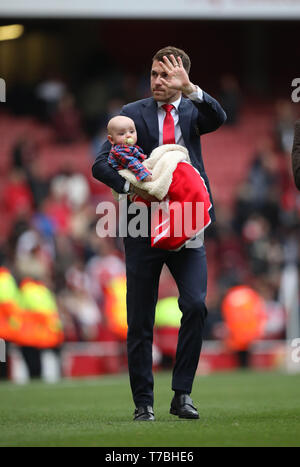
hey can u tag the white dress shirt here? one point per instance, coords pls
(196, 96)
(161, 113)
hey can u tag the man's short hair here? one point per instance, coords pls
(170, 50)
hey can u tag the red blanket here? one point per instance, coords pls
(184, 213)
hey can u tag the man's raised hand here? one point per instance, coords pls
(177, 76)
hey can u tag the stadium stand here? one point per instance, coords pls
(230, 156)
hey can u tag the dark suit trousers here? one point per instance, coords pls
(143, 268)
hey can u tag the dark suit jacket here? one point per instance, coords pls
(194, 119)
(296, 155)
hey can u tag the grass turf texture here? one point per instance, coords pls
(243, 408)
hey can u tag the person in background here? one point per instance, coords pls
(296, 155)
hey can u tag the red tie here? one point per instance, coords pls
(168, 128)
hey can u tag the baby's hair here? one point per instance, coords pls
(110, 124)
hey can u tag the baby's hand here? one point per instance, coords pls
(147, 179)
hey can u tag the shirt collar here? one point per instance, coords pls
(175, 103)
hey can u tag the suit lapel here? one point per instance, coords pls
(185, 116)
(149, 112)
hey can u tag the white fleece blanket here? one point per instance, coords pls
(162, 162)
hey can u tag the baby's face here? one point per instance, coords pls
(123, 132)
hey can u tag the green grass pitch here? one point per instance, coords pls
(243, 408)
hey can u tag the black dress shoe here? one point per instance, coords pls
(144, 414)
(183, 407)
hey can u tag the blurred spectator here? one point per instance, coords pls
(17, 196)
(275, 314)
(265, 252)
(38, 181)
(82, 217)
(67, 120)
(24, 152)
(33, 258)
(43, 223)
(296, 155)
(263, 171)
(106, 265)
(284, 125)
(65, 255)
(93, 100)
(79, 310)
(71, 186)
(243, 310)
(57, 208)
(78, 190)
(261, 191)
(48, 93)
(243, 207)
(69, 206)
(230, 98)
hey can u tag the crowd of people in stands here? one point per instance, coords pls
(54, 239)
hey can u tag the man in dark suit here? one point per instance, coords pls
(182, 122)
(296, 155)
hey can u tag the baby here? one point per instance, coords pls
(125, 154)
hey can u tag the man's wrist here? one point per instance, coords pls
(196, 95)
(190, 89)
(126, 187)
